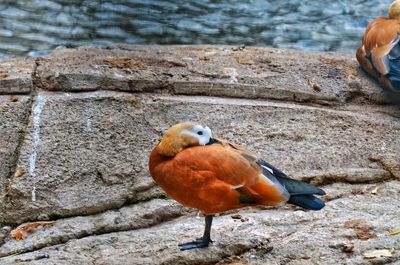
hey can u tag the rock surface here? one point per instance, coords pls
(13, 116)
(74, 149)
(16, 75)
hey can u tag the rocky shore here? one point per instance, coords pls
(77, 126)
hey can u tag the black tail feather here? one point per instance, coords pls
(301, 193)
(297, 187)
(307, 201)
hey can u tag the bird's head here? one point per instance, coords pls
(394, 9)
(184, 135)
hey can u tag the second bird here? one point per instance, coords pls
(379, 52)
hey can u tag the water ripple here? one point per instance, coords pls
(34, 27)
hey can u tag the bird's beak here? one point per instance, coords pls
(213, 141)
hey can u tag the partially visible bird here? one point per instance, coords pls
(215, 176)
(379, 52)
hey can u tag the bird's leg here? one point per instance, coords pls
(203, 241)
(207, 230)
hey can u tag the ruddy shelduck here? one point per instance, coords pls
(215, 176)
(379, 52)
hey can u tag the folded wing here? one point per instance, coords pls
(379, 53)
(298, 193)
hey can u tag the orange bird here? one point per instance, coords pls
(215, 176)
(379, 52)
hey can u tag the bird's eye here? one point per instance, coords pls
(200, 133)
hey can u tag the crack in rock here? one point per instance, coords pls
(124, 219)
(390, 163)
(349, 175)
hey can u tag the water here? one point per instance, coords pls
(35, 27)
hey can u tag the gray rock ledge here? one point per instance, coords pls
(77, 127)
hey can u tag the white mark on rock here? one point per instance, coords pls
(88, 118)
(88, 124)
(383, 146)
(210, 53)
(100, 66)
(34, 194)
(37, 110)
(232, 72)
(198, 215)
(118, 75)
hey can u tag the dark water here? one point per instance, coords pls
(34, 27)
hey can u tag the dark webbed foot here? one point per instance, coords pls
(198, 243)
(203, 241)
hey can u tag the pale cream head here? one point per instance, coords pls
(183, 135)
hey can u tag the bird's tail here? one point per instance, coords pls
(301, 193)
(307, 201)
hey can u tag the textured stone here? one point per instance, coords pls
(267, 236)
(302, 140)
(314, 115)
(16, 75)
(94, 146)
(13, 116)
(126, 218)
(92, 156)
(324, 78)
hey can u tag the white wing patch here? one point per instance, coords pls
(237, 187)
(267, 168)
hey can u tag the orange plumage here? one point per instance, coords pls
(205, 177)
(379, 51)
(214, 176)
